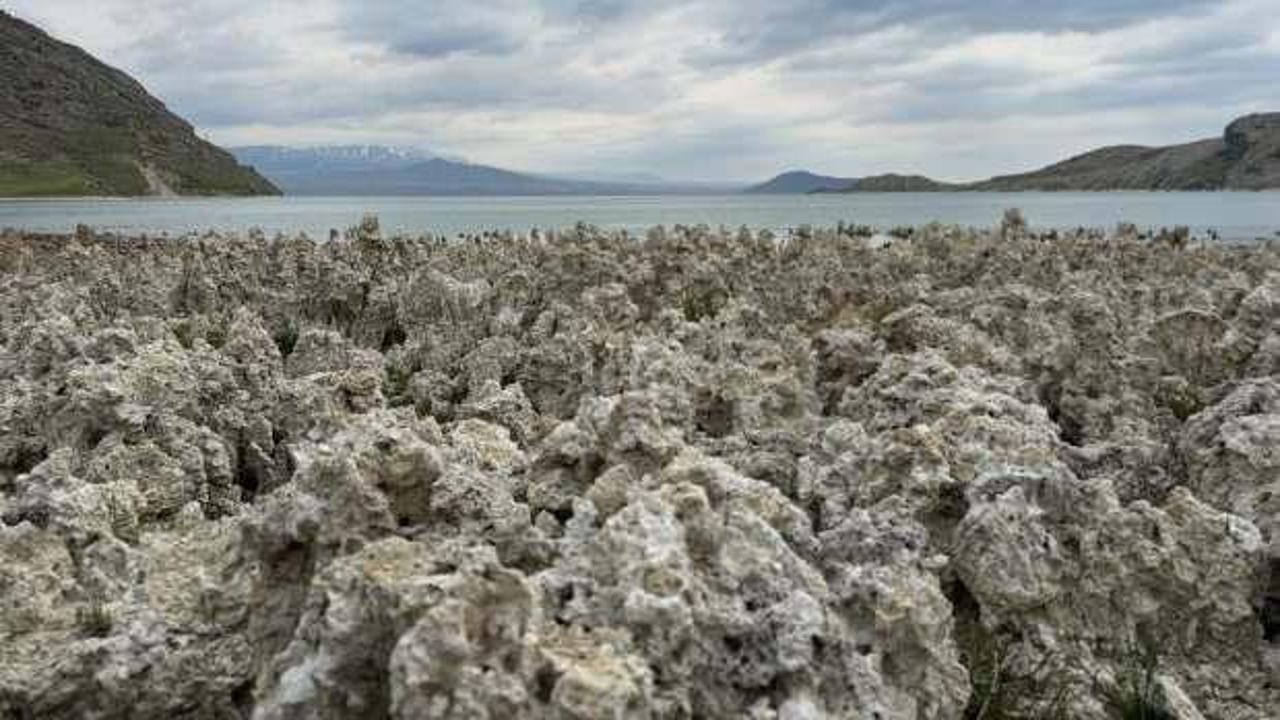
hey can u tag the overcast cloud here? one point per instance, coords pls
(724, 89)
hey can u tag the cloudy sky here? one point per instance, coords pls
(724, 89)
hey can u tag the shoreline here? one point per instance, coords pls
(1238, 216)
(813, 193)
(1199, 236)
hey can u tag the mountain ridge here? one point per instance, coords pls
(328, 155)
(313, 171)
(1245, 157)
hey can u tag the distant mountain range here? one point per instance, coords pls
(71, 125)
(1246, 157)
(379, 170)
(331, 157)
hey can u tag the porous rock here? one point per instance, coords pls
(577, 475)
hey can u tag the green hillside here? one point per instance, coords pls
(71, 125)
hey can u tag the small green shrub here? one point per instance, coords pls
(1001, 688)
(286, 338)
(399, 374)
(700, 301)
(124, 523)
(216, 336)
(393, 336)
(1001, 693)
(94, 619)
(185, 333)
(1182, 400)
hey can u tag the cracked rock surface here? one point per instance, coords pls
(697, 474)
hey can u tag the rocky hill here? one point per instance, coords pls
(71, 125)
(799, 181)
(900, 183)
(1194, 166)
(1252, 152)
(1246, 157)
(893, 182)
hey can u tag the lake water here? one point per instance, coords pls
(1236, 215)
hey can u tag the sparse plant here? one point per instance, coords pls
(1182, 399)
(1177, 238)
(1013, 224)
(207, 602)
(400, 369)
(185, 334)
(392, 337)
(700, 301)
(286, 338)
(124, 523)
(1001, 693)
(1001, 687)
(1136, 693)
(94, 618)
(216, 336)
(368, 230)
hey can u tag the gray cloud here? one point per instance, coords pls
(437, 30)
(1013, 15)
(736, 88)
(762, 30)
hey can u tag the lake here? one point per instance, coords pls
(1234, 215)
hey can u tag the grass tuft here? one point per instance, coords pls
(286, 338)
(1137, 694)
(701, 300)
(94, 619)
(1002, 692)
(1182, 400)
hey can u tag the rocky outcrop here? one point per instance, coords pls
(1245, 157)
(1253, 146)
(954, 474)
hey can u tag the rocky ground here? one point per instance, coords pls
(698, 474)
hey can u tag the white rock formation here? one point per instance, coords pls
(700, 475)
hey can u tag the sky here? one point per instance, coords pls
(719, 89)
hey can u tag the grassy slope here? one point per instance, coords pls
(71, 125)
(85, 162)
(106, 162)
(42, 179)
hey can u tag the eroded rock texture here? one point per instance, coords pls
(700, 474)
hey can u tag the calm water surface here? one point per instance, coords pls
(1233, 215)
